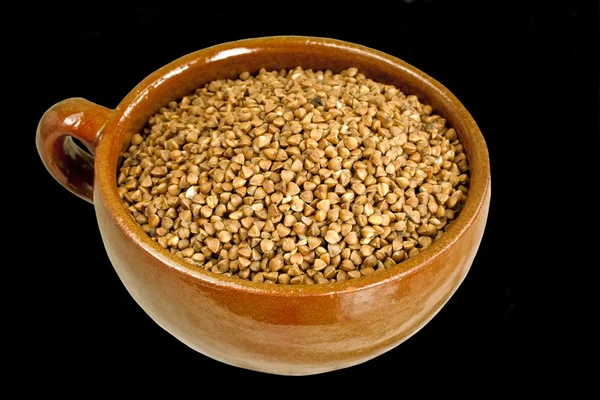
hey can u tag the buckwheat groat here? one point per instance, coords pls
(295, 177)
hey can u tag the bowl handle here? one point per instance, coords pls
(69, 164)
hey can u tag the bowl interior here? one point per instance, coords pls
(228, 60)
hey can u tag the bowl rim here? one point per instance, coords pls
(105, 188)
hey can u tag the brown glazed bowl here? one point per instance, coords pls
(280, 329)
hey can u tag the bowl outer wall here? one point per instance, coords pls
(284, 329)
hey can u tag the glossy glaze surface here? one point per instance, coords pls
(277, 328)
(67, 162)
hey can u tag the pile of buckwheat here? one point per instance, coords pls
(295, 177)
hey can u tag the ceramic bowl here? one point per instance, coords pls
(280, 329)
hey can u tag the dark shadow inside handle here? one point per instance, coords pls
(77, 166)
(80, 144)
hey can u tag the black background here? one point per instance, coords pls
(527, 72)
